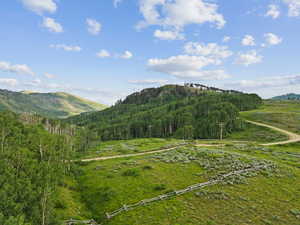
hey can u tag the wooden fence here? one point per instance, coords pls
(88, 222)
(218, 180)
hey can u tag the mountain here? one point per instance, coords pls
(53, 105)
(290, 96)
(189, 111)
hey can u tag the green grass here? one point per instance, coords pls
(283, 114)
(104, 187)
(111, 148)
(271, 197)
(258, 134)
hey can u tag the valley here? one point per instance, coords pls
(168, 155)
(119, 173)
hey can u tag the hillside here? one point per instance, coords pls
(290, 96)
(171, 111)
(54, 105)
(132, 189)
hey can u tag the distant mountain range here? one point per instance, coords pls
(290, 96)
(53, 105)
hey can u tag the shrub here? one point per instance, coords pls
(147, 167)
(160, 187)
(131, 173)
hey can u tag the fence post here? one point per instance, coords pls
(108, 216)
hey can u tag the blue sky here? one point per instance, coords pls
(105, 49)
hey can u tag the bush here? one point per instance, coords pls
(131, 173)
(160, 187)
(147, 168)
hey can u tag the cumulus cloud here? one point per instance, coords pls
(8, 82)
(126, 55)
(103, 54)
(52, 25)
(273, 11)
(266, 82)
(272, 39)
(68, 48)
(226, 39)
(212, 50)
(294, 7)
(168, 35)
(186, 67)
(148, 82)
(40, 6)
(248, 40)
(179, 13)
(248, 58)
(17, 68)
(94, 27)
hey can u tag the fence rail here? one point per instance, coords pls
(88, 222)
(182, 191)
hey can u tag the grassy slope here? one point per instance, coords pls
(265, 199)
(111, 148)
(284, 114)
(257, 134)
(55, 105)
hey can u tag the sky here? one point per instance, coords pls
(104, 50)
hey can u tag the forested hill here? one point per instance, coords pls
(53, 105)
(170, 111)
(288, 97)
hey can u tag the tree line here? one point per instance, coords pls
(170, 111)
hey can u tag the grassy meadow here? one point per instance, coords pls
(267, 197)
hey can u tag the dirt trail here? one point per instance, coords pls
(292, 136)
(292, 139)
(128, 155)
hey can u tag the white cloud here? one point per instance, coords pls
(168, 35)
(126, 55)
(273, 11)
(68, 48)
(52, 25)
(212, 50)
(226, 39)
(186, 67)
(49, 75)
(103, 54)
(8, 81)
(117, 3)
(272, 39)
(179, 13)
(94, 27)
(40, 6)
(17, 68)
(266, 82)
(248, 58)
(248, 40)
(148, 82)
(294, 7)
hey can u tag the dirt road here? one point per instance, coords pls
(292, 136)
(292, 139)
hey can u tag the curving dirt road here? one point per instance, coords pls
(292, 139)
(292, 136)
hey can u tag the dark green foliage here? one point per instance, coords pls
(170, 111)
(32, 164)
(54, 105)
(131, 173)
(160, 187)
